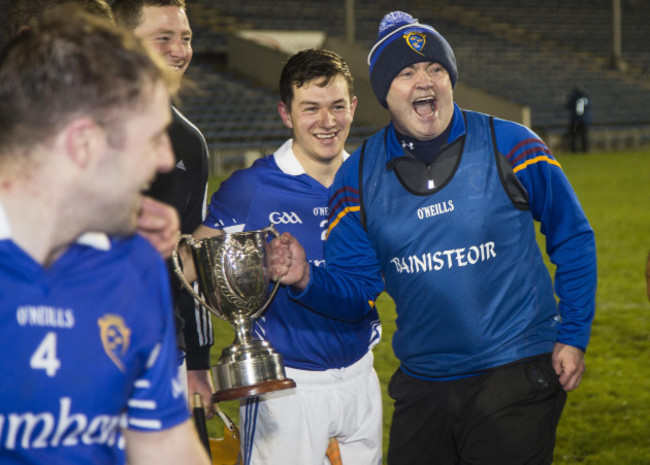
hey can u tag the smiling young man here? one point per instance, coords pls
(86, 322)
(337, 393)
(164, 25)
(439, 208)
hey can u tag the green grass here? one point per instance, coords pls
(607, 419)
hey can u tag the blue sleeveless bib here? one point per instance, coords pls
(459, 263)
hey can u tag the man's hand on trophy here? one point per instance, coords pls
(287, 262)
(185, 251)
(159, 224)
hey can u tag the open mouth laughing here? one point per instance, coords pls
(425, 106)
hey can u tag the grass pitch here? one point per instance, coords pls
(607, 419)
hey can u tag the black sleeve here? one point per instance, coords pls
(185, 188)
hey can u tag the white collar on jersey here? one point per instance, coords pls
(96, 240)
(287, 161)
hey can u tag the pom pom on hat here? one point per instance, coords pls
(395, 18)
(401, 42)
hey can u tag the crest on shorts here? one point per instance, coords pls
(116, 337)
(416, 41)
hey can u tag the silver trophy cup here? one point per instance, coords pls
(232, 275)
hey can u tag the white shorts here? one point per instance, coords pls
(294, 426)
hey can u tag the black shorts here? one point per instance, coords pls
(505, 416)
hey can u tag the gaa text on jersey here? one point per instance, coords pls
(436, 209)
(44, 315)
(284, 218)
(445, 259)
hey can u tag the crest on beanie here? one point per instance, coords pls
(400, 32)
(416, 41)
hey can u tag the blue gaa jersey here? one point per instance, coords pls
(87, 347)
(276, 189)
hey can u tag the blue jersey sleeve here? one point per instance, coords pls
(223, 213)
(158, 400)
(348, 287)
(570, 242)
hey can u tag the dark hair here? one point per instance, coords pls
(20, 13)
(128, 13)
(309, 65)
(68, 65)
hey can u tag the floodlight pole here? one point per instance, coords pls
(617, 54)
(349, 21)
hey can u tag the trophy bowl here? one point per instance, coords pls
(233, 279)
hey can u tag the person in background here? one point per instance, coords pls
(164, 25)
(439, 209)
(337, 394)
(157, 221)
(85, 312)
(580, 117)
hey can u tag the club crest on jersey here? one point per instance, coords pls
(416, 41)
(115, 337)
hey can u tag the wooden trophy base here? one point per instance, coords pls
(253, 390)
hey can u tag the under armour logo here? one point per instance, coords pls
(408, 145)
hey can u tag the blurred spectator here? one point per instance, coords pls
(579, 106)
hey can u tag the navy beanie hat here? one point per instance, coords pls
(401, 42)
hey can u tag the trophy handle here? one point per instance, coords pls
(270, 229)
(177, 269)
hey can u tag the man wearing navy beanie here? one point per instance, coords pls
(439, 209)
(403, 41)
